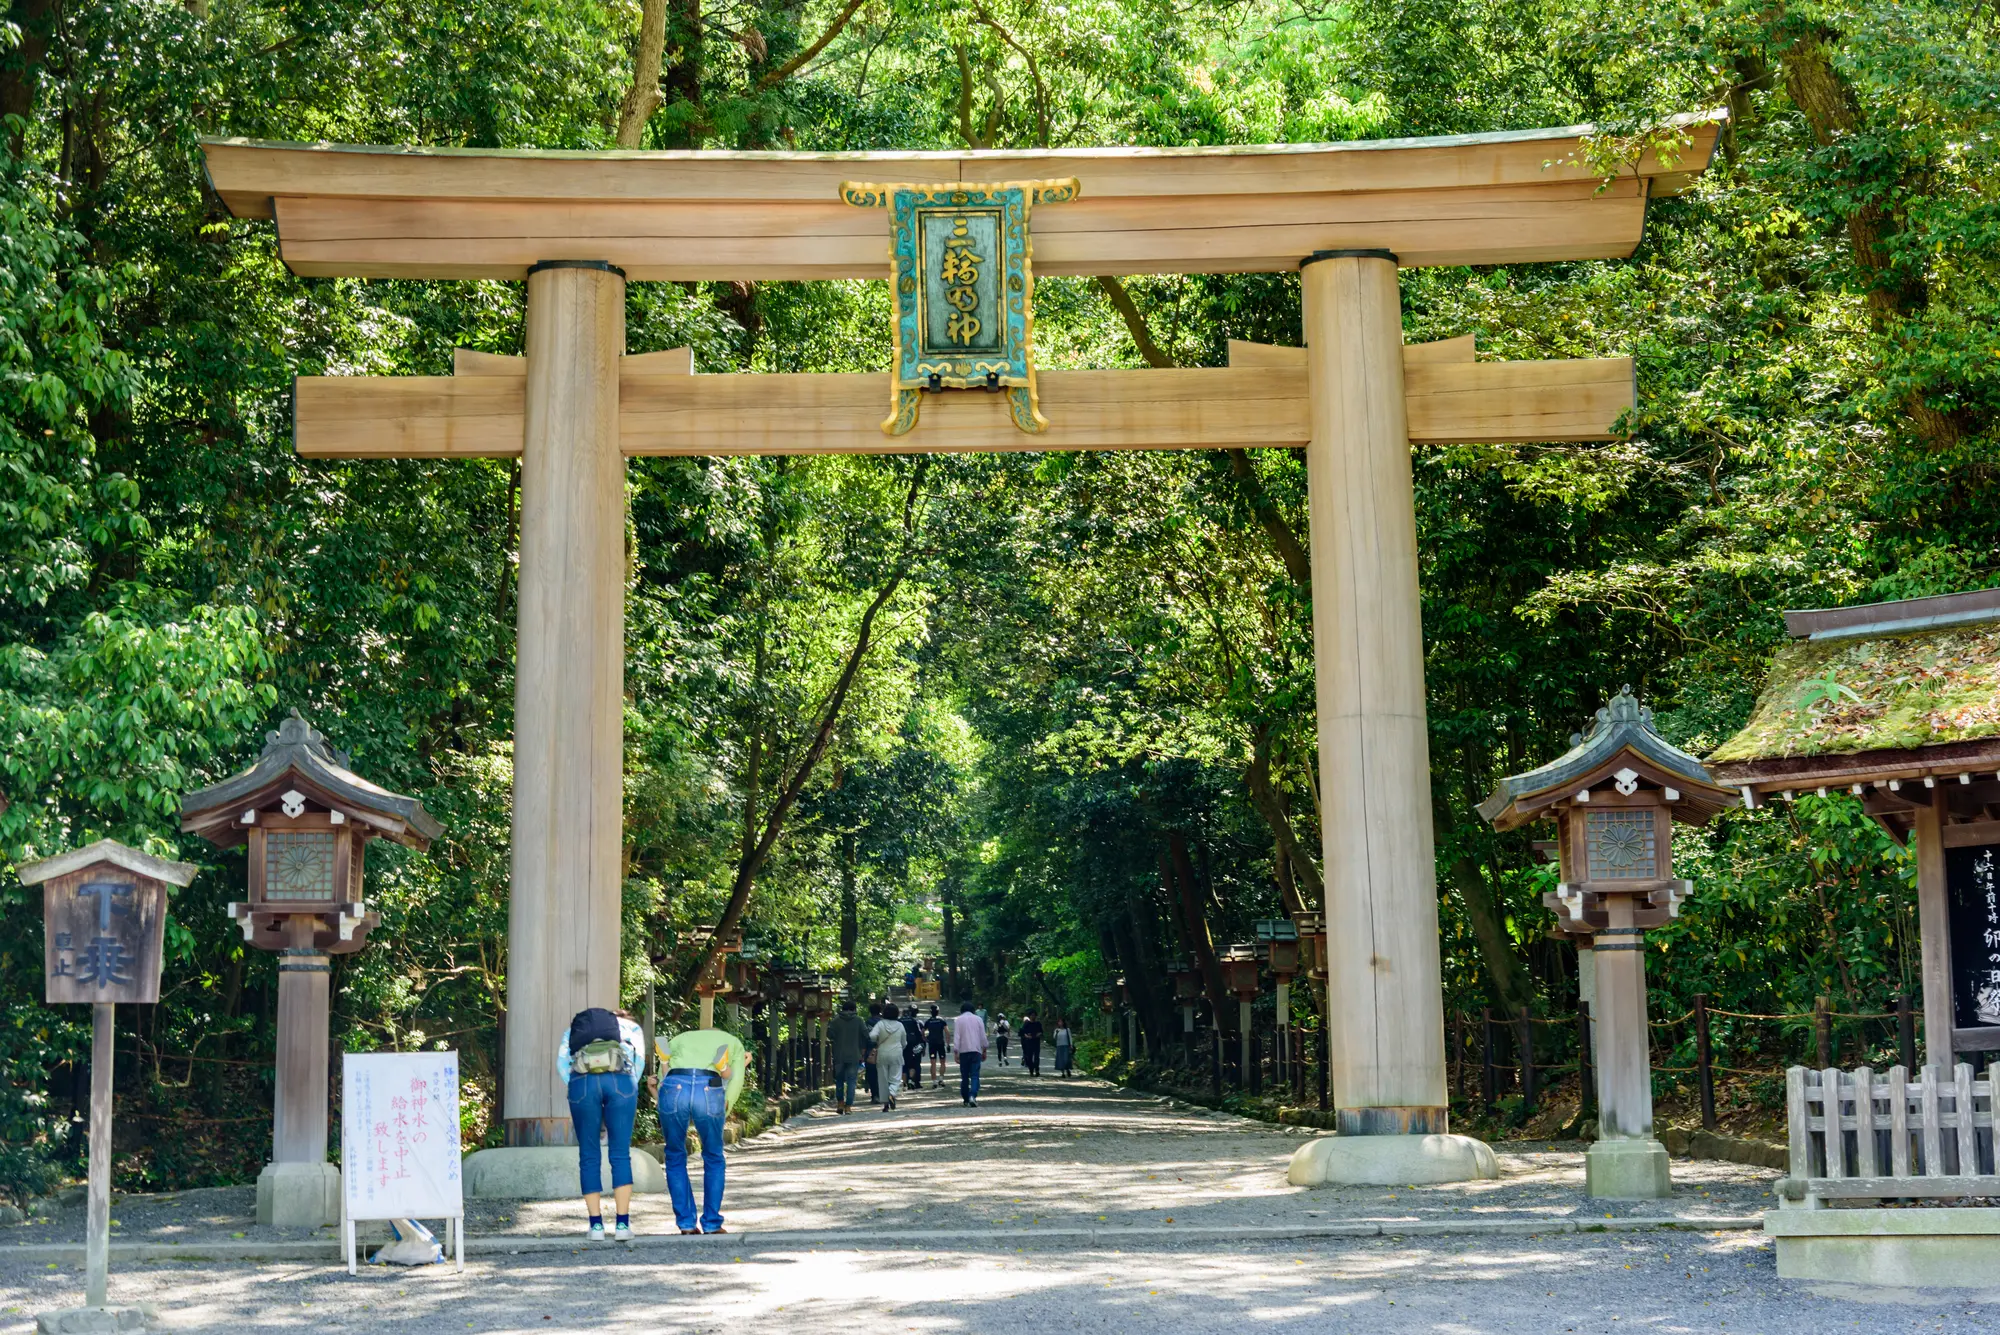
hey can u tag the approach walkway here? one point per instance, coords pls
(1041, 1157)
(1053, 1206)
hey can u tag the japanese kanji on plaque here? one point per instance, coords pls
(961, 274)
(1972, 876)
(399, 1147)
(104, 924)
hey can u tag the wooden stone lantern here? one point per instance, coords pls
(1280, 939)
(790, 987)
(1241, 975)
(819, 1007)
(1187, 991)
(1615, 796)
(714, 980)
(1311, 928)
(307, 820)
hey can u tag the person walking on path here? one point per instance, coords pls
(934, 1031)
(847, 1038)
(1065, 1043)
(913, 1049)
(968, 1039)
(887, 1035)
(704, 1074)
(1031, 1044)
(599, 1059)
(1000, 1034)
(868, 1054)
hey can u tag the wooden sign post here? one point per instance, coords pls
(104, 919)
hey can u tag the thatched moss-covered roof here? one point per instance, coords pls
(1875, 693)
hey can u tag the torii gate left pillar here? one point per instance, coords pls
(563, 918)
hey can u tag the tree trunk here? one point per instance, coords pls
(21, 68)
(1276, 811)
(1833, 112)
(1196, 915)
(850, 909)
(682, 84)
(950, 950)
(1512, 989)
(755, 855)
(1154, 992)
(644, 97)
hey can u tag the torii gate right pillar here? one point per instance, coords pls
(1385, 1008)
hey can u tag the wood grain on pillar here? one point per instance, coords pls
(1623, 1049)
(299, 1105)
(563, 923)
(1934, 931)
(1385, 1003)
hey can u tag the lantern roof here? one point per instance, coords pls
(113, 852)
(297, 756)
(1622, 739)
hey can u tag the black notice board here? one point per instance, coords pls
(1972, 891)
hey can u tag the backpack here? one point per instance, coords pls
(595, 1047)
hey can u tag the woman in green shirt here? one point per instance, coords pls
(704, 1071)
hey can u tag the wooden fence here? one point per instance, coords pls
(1863, 1135)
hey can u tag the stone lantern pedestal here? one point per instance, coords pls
(1615, 797)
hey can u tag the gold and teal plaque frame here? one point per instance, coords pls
(961, 273)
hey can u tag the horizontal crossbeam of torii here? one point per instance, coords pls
(577, 226)
(1258, 401)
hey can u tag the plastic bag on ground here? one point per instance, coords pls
(414, 1245)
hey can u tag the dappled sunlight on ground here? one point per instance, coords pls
(941, 1218)
(1466, 1286)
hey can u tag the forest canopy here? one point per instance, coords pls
(1078, 700)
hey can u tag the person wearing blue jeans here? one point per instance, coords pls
(602, 1101)
(968, 1040)
(703, 1075)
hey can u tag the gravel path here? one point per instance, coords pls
(1456, 1285)
(894, 1195)
(1033, 1154)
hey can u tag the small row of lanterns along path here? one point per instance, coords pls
(1615, 796)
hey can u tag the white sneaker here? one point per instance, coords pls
(623, 1233)
(597, 1232)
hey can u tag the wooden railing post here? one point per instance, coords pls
(1586, 1070)
(1458, 1053)
(1704, 1061)
(1525, 1044)
(1325, 1067)
(1823, 1029)
(1488, 1081)
(1906, 1032)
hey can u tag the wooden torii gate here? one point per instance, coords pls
(579, 225)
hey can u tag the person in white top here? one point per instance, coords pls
(1065, 1042)
(968, 1039)
(887, 1036)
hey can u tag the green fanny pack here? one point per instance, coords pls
(604, 1057)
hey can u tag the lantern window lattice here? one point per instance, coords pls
(1621, 845)
(299, 865)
